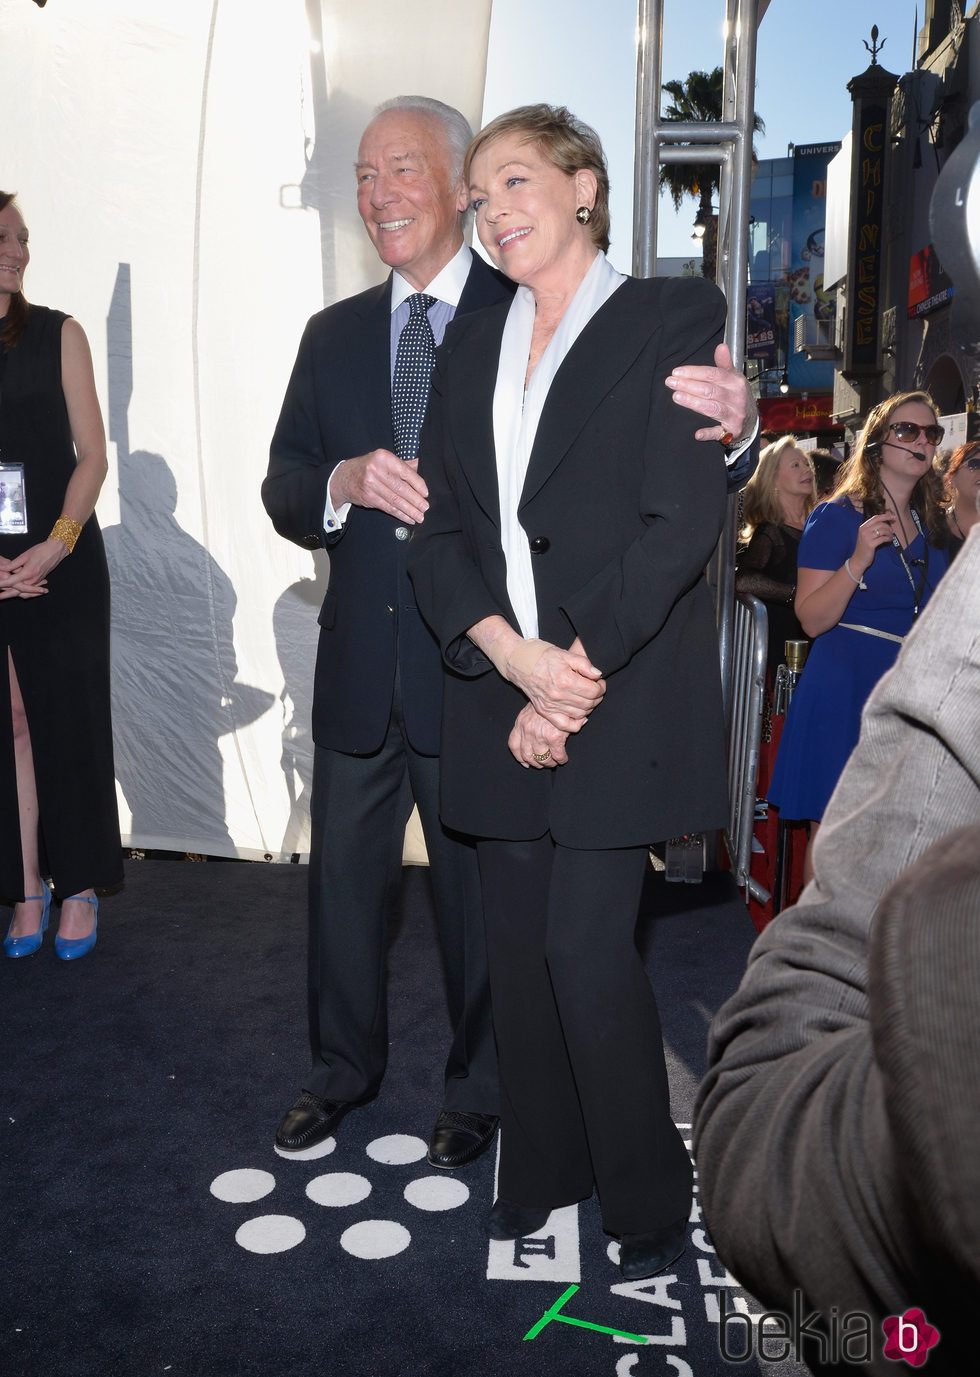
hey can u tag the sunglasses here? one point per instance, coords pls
(907, 431)
(972, 463)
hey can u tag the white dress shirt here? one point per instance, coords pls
(516, 414)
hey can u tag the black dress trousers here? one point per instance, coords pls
(584, 1094)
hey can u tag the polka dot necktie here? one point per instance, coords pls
(413, 372)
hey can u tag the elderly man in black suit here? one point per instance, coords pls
(336, 479)
(343, 474)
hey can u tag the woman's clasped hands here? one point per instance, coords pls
(562, 687)
(535, 743)
(25, 576)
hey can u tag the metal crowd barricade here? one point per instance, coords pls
(748, 689)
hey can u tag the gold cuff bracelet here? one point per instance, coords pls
(67, 530)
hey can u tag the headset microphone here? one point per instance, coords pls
(915, 453)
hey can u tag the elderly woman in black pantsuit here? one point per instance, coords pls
(560, 563)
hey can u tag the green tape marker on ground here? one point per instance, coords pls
(552, 1314)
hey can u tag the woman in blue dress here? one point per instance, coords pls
(869, 560)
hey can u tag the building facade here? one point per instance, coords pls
(895, 302)
(848, 300)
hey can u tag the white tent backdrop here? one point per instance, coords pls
(185, 169)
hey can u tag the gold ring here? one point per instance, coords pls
(542, 758)
(727, 439)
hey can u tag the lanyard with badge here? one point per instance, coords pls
(13, 499)
(923, 564)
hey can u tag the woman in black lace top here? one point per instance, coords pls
(776, 503)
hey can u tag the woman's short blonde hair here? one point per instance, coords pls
(569, 143)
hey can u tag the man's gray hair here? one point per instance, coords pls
(456, 125)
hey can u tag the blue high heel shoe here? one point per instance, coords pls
(27, 946)
(68, 948)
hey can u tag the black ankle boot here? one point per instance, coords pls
(643, 1255)
(507, 1220)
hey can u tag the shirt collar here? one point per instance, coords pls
(447, 285)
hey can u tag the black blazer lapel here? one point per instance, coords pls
(472, 374)
(604, 351)
(472, 349)
(370, 347)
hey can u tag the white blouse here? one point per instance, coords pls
(516, 414)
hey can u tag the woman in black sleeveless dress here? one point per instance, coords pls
(57, 788)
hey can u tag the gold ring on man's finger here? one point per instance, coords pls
(542, 758)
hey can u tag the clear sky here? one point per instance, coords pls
(582, 54)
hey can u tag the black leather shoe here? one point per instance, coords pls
(308, 1122)
(459, 1138)
(643, 1255)
(507, 1220)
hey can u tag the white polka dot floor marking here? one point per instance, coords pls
(270, 1233)
(369, 1239)
(338, 1188)
(396, 1149)
(375, 1238)
(243, 1186)
(436, 1193)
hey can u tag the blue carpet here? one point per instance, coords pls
(150, 1227)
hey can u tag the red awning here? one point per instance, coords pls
(796, 415)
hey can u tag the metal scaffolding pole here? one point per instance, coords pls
(729, 143)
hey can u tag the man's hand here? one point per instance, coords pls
(720, 391)
(383, 481)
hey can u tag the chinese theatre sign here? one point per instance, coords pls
(864, 296)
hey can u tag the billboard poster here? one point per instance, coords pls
(929, 285)
(807, 296)
(760, 322)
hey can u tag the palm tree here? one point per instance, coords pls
(697, 98)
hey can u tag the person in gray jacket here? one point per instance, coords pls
(836, 1130)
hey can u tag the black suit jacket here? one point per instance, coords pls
(338, 406)
(622, 507)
